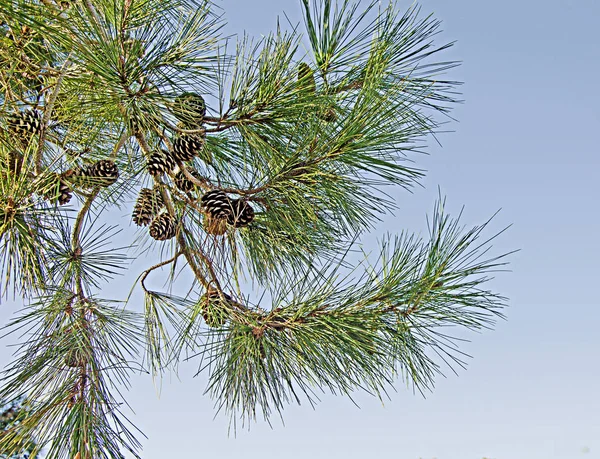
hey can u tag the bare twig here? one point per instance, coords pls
(156, 266)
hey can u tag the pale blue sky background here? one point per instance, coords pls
(526, 142)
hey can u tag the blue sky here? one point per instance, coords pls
(525, 142)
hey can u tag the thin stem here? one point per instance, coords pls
(180, 130)
(94, 14)
(48, 114)
(156, 266)
(75, 237)
(122, 140)
(195, 269)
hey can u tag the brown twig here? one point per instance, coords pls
(156, 266)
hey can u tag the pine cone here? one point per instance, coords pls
(77, 172)
(190, 108)
(14, 162)
(160, 162)
(217, 204)
(162, 227)
(214, 308)
(213, 225)
(25, 123)
(103, 173)
(147, 205)
(64, 193)
(241, 214)
(78, 176)
(186, 147)
(183, 183)
(60, 191)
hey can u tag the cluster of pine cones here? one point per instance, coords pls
(220, 210)
(102, 173)
(149, 209)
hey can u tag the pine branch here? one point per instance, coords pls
(343, 335)
(60, 369)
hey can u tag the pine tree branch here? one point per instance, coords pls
(75, 244)
(345, 334)
(201, 182)
(180, 239)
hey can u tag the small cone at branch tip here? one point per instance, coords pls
(190, 108)
(162, 227)
(217, 204)
(25, 123)
(241, 214)
(60, 191)
(64, 193)
(147, 206)
(215, 226)
(160, 162)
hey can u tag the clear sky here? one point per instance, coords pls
(526, 141)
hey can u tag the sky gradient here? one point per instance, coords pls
(525, 142)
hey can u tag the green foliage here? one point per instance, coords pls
(101, 100)
(11, 416)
